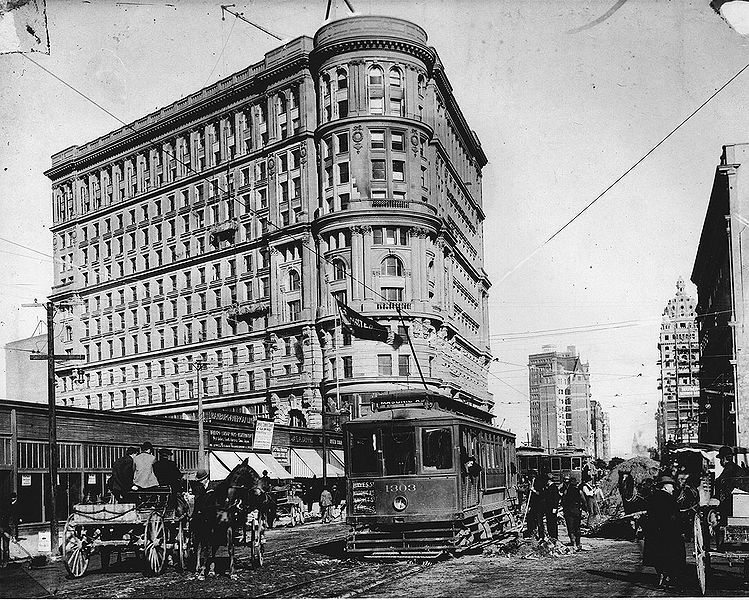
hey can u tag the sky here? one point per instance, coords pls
(565, 97)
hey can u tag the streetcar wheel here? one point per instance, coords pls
(700, 554)
(75, 549)
(155, 549)
(182, 546)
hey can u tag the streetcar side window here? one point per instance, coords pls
(437, 448)
(576, 464)
(399, 450)
(363, 444)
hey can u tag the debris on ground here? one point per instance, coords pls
(530, 549)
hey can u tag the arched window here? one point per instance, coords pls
(342, 79)
(325, 85)
(339, 270)
(296, 418)
(293, 98)
(375, 75)
(392, 266)
(422, 85)
(281, 104)
(395, 77)
(293, 281)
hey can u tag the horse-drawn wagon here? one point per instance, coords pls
(151, 526)
(721, 521)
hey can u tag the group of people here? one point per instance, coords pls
(545, 498)
(140, 470)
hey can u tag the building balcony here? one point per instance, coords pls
(390, 203)
(244, 311)
(224, 231)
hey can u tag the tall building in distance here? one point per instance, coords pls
(218, 231)
(720, 272)
(677, 417)
(562, 412)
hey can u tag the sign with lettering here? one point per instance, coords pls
(281, 454)
(44, 544)
(91, 479)
(26, 480)
(363, 496)
(221, 438)
(263, 435)
(229, 418)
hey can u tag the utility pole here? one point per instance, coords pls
(53, 451)
(199, 366)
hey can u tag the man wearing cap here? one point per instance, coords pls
(143, 477)
(664, 544)
(123, 469)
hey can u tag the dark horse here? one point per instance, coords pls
(218, 515)
(634, 500)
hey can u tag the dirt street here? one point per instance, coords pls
(308, 561)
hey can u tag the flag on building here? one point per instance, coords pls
(365, 327)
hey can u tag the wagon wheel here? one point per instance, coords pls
(155, 544)
(700, 554)
(182, 546)
(256, 548)
(75, 548)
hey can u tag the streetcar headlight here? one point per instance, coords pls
(400, 503)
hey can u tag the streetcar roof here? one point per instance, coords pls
(421, 414)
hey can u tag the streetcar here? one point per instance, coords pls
(427, 476)
(557, 464)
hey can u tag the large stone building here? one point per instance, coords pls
(561, 410)
(677, 417)
(218, 230)
(720, 273)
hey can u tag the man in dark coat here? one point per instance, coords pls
(121, 482)
(537, 507)
(664, 544)
(551, 507)
(167, 472)
(573, 504)
(726, 481)
(8, 524)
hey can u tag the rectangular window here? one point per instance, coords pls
(342, 140)
(348, 367)
(376, 106)
(396, 106)
(396, 141)
(384, 364)
(378, 170)
(398, 170)
(377, 140)
(342, 109)
(392, 294)
(363, 451)
(343, 173)
(437, 448)
(399, 450)
(404, 365)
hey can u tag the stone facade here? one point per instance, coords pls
(679, 360)
(720, 272)
(219, 229)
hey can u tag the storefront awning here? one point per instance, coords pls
(221, 462)
(307, 462)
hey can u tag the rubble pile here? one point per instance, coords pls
(530, 549)
(641, 468)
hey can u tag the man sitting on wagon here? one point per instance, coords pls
(726, 481)
(144, 477)
(123, 469)
(168, 474)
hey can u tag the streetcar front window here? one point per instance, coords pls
(363, 445)
(437, 448)
(399, 451)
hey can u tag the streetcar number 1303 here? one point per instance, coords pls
(400, 487)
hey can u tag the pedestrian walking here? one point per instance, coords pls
(664, 544)
(8, 524)
(551, 508)
(536, 507)
(573, 503)
(326, 502)
(588, 493)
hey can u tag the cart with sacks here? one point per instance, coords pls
(150, 525)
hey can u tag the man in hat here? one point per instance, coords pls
(688, 501)
(143, 477)
(198, 485)
(664, 544)
(123, 469)
(167, 472)
(573, 504)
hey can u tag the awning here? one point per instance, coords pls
(307, 462)
(337, 460)
(221, 462)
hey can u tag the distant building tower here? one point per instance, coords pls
(677, 415)
(560, 400)
(606, 438)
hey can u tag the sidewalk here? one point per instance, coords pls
(29, 540)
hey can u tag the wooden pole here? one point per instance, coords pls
(53, 453)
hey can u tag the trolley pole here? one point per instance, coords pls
(53, 451)
(199, 366)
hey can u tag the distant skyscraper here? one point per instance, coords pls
(677, 415)
(560, 400)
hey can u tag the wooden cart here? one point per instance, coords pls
(149, 526)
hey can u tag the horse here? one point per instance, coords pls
(634, 499)
(217, 515)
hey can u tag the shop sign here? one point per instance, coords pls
(228, 418)
(44, 544)
(281, 454)
(221, 438)
(91, 479)
(25, 480)
(263, 435)
(305, 439)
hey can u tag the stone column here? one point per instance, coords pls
(275, 285)
(357, 265)
(367, 282)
